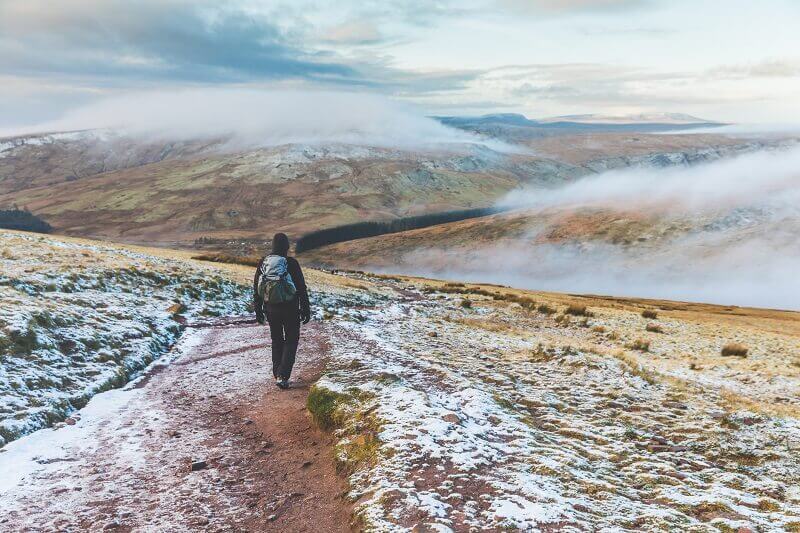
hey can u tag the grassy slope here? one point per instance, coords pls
(237, 195)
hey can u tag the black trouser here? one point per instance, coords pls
(284, 328)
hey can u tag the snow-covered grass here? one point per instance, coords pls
(77, 318)
(445, 425)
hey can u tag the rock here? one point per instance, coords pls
(658, 448)
(198, 465)
(580, 508)
(432, 334)
(70, 421)
(452, 418)
(307, 464)
(272, 517)
(616, 405)
(111, 525)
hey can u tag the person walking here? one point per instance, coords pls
(281, 296)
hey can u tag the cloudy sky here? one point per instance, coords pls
(729, 60)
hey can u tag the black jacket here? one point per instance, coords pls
(300, 301)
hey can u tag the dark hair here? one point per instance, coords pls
(280, 244)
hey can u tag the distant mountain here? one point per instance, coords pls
(518, 128)
(639, 118)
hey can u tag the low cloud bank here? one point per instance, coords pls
(741, 247)
(747, 273)
(765, 175)
(765, 130)
(253, 118)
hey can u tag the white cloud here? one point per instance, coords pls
(263, 118)
(353, 32)
(563, 6)
(733, 182)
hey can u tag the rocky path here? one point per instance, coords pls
(204, 443)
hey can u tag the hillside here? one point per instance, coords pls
(444, 405)
(481, 406)
(87, 319)
(111, 186)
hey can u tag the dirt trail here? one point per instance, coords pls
(126, 464)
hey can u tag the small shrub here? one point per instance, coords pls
(734, 350)
(466, 304)
(768, 506)
(578, 310)
(654, 328)
(598, 329)
(23, 342)
(523, 301)
(545, 309)
(640, 344)
(649, 313)
(613, 336)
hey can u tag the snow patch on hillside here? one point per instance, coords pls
(78, 319)
(478, 428)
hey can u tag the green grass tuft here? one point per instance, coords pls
(324, 405)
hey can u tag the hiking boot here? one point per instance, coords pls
(283, 384)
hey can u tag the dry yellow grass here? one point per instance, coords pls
(640, 345)
(578, 310)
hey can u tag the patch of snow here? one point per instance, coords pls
(77, 319)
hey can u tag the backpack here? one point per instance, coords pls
(275, 285)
